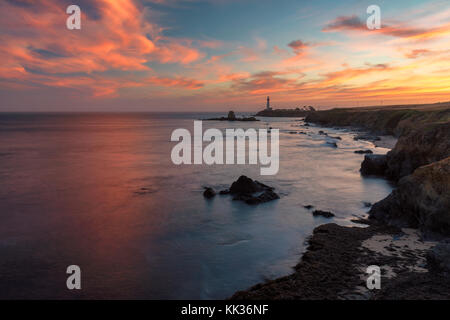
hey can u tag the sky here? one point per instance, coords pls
(217, 55)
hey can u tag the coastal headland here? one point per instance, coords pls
(407, 234)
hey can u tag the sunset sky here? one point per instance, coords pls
(214, 55)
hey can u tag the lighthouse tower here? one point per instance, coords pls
(268, 104)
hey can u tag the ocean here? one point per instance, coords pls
(99, 190)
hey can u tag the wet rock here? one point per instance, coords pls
(331, 144)
(335, 137)
(309, 207)
(374, 164)
(245, 185)
(266, 196)
(439, 256)
(367, 204)
(363, 152)
(326, 214)
(251, 191)
(209, 193)
(323, 133)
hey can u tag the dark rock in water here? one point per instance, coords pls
(251, 191)
(325, 214)
(332, 144)
(439, 256)
(367, 204)
(306, 124)
(374, 164)
(367, 137)
(308, 207)
(363, 151)
(323, 133)
(335, 137)
(421, 200)
(247, 186)
(209, 193)
(293, 132)
(232, 117)
(266, 196)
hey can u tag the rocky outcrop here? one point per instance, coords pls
(297, 112)
(421, 200)
(232, 117)
(418, 147)
(250, 191)
(374, 164)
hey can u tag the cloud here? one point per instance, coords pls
(354, 23)
(176, 82)
(298, 45)
(115, 37)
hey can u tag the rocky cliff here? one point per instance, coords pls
(421, 200)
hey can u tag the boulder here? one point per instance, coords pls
(251, 191)
(374, 164)
(209, 193)
(247, 186)
(421, 200)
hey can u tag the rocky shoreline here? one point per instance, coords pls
(407, 234)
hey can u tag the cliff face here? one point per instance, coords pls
(420, 162)
(422, 200)
(424, 136)
(418, 147)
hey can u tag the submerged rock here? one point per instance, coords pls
(374, 164)
(308, 206)
(326, 214)
(367, 137)
(332, 144)
(363, 152)
(209, 193)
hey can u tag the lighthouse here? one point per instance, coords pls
(268, 104)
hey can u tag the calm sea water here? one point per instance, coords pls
(69, 194)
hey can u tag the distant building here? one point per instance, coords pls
(268, 104)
